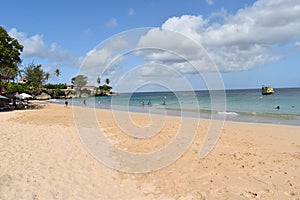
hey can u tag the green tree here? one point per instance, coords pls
(98, 80)
(79, 81)
(34, 74)
(107, 81)
(20, 74)
(57, 73)
(47, 76)
(105, 88)
(17, 87)
(10, 51)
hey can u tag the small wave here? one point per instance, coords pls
(52, 100)
(228, 113)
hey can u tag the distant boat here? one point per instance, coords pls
(266, 90)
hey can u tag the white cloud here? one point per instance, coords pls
(153, 76)
(101, 60)
(246, 39)
(241, 41)
(112, 23)
(209, 2)
(35, 47)
(131, 12)
(174, 49)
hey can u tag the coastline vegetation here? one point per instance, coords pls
(32, 79)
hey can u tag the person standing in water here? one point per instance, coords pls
(149, 103)
(142, 103)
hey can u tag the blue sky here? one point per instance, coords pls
(251, 42)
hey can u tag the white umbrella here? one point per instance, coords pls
(23, 96)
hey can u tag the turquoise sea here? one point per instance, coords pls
(246, 105)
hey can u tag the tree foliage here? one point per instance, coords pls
(55, 86)
(47, 76)
(34, 74)
(105, 87)
(107, 81)
(10, 51)
(18, 87)
(98, 80)
(79, 81)
(57, 72)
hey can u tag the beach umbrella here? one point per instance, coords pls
(23, 96)
(3, 97)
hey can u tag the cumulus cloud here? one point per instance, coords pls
(185, 55)
(297, 45)
(112, 23)
(104, 59)
(35, 47)
(209, 2)
(146, 76)
(246, 39)
(131, 12)
(189, 43)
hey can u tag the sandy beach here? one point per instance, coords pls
(43, 157)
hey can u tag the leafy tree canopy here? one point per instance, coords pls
(79, 81)
(10, 51)
(55, 86)
(35, 74)
(105, 87)
(18, 87)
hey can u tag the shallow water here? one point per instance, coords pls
(237, 105)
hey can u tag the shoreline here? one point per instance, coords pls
(47, 160)
(265, 118)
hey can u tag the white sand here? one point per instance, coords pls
(42, 157)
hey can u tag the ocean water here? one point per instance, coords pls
(246, 105)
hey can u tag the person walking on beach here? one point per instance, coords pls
(66, 102)
(84, 102)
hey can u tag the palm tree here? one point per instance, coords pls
(98, 80)
(57, 73)
(47, 76)
(107, 81)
